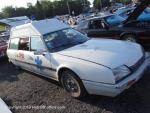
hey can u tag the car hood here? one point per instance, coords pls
(107, 52)
(138, 11)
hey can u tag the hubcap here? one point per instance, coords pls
(70, 84)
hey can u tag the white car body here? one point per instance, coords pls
(93, 61)
(3, 107)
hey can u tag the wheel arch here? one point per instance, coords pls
(63, 68)
(127, 33)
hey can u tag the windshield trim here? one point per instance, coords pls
(69, 45)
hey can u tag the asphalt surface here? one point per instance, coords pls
(26, 92)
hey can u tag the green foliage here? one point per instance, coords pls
(45, 8)
(2, 28)
(98, 4)
(126, 1)
(8, 11)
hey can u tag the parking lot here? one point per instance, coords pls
(21, 90)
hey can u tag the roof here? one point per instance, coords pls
(44, 26)
(15, 21)
(120, 11)
(99, 17)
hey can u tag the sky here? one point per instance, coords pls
(18, 3)
(15, 3)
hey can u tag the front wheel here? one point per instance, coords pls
(72, 84)
(129, 38)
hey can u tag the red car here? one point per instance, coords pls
(3, 48)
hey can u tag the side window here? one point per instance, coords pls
(95, 24)
(37, 44)
(24, 44)
(83, 24)
(13, 44)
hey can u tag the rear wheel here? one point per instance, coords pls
(72, 84)
(129, 38)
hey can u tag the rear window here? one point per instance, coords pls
(14, 43)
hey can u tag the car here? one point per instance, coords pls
(117, 27)
(3, 47)
(5, 35)
(81, 65)
(3, 107)
(125, 12)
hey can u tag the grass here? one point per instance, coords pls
(2, 28)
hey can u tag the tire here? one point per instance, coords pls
(72, 84)
(129, 38)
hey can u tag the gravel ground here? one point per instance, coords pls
(22, 88)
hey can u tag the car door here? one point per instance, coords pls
(142, 29)
(96, 29)
(23, 53)
(40, 58)
(12, 50)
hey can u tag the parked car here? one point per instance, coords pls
(116, 27)
(82, 65)
(3, 47)
(5, 35)
(125, 12)
(3, 107)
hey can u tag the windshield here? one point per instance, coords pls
(114, 20)
(63, 39)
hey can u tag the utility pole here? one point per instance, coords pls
(53, 9)
(68, 7)
(101, 4)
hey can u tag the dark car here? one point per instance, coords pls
(3, 48)
(114, 26)
(124, 12)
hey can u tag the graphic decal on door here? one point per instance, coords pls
(20, 55)
(38, 61)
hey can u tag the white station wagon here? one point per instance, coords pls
(82, 65)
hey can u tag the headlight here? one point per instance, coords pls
(121, 72)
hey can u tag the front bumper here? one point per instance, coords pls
(113, 90)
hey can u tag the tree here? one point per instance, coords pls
(45, 8)
(1, 15)
(124, 1)
(9, 11)
(98, 4)
(39, 11)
